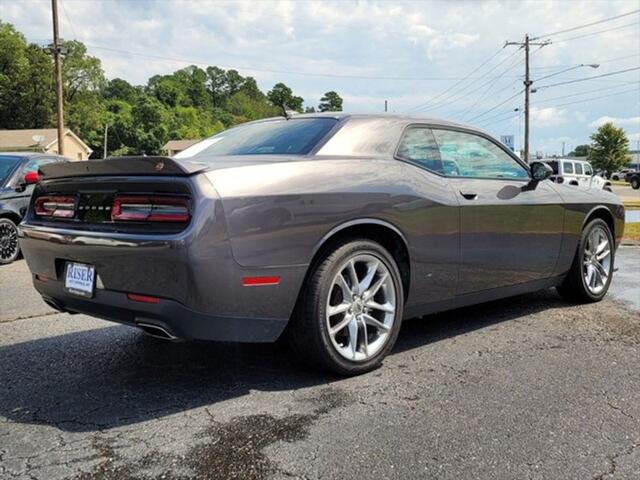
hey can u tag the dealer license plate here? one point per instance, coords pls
(79, 279)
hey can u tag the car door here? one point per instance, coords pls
(434, 219)
(569, 173)
(510, 227)
(580, 174)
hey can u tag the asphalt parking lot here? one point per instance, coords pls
(525, 388)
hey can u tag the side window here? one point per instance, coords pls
(31, 166)
(468, 155)
(419, 145)
(578, 169)
(567, 167)
(587, 169)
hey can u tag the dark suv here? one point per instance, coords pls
(18, 173)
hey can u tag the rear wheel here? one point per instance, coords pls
(350, 312)
(635, 183)
(590, 275)
(9, 248)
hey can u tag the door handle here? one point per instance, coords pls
(469, 196)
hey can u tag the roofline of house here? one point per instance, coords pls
(70, 132)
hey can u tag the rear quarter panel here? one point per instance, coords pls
(279, 214)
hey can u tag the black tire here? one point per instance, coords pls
(635, 183)
(308, 333)
(9, 246)
(574, 287)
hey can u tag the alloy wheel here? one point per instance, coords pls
(361, 307)
(596, 260)
(8, 241)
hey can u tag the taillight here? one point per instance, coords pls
(55, 206)
(150, 208)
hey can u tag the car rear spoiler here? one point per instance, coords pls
(158, 166)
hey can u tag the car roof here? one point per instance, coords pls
(31, 155)
(401, 118)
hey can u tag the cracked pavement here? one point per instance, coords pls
(527, 388)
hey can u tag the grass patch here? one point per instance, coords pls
(632, 204)
(632, 231)
(620, 183)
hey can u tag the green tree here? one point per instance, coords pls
(26, 82)
(580, 151)
(330, 102)
(119, 89)
(609, 148)
(281, 95)
(189, 103)
(80, 72)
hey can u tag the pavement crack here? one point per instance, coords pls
(29, 317)
(613, 462)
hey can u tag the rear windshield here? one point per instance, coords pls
(7, 164)
(273, 137)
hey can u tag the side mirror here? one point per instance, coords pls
(30, 178)
(540, 171)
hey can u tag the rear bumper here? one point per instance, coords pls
(193, 274)
(174, 318)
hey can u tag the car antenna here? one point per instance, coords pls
(287, 112)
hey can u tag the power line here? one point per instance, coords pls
(511, 115)
(64, 9)
(264, 70)
(588, 78)
(491, 81)
(484, 94)
(458, 82)
(584, 100)
(578, 27)
(609, 60)
(636, 90)
(502, 113)
(627, 25)
(496, 106)
(458, 93)
(586, 92)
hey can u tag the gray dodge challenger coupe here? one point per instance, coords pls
(327, 230)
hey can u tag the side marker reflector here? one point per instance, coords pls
(142, 298)
(260, 281)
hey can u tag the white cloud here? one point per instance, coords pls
(547, 116)
(620, 122)
(433, 39)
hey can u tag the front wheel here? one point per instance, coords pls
(350, 312)
(590, 275)
(9, 248)
(635, 183)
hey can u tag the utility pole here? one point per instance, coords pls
(527, 86)
(106, 138)
(57, 57)
(385, 106)
(563, 149)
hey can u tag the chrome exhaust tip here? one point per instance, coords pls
(156, 331)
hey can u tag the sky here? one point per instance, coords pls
(443, 59)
